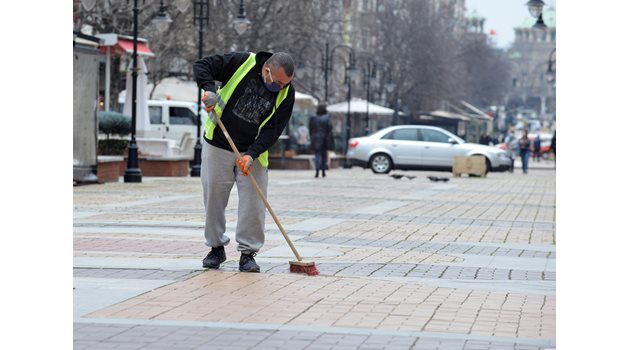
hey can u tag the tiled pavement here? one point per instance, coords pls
(405, 264)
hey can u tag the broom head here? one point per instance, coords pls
(306, 267)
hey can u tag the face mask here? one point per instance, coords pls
(273, 86)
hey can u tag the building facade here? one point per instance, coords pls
(532, 57)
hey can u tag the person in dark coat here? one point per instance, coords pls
(484, 139)
(320, 128)
(537, 148)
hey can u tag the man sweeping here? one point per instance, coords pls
(254, 103)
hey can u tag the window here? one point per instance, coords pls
(434, 136)
(182, 116)
(155, 114)
(403, 134)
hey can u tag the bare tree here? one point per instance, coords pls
(423, 46)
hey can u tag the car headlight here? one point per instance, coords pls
(505, 156)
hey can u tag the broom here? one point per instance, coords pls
(299, 266)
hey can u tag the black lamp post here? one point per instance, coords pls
(300, 70)
(201, 15)
(162, 19)
(369, 77)
(351, 71)
(535, 8)
(133, 172)
(325, 55)
(368, 74)
(327, 62)
(241, 23)
(327, 65)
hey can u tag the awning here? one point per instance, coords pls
(477, 113)
(358, 105)
(86, 40)
(448, 115)
(127, 46)
(121, 44)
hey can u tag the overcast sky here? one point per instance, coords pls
(502, 16)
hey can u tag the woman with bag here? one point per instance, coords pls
(524, 145)
(320, 128)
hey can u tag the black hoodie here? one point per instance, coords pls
(249, 104)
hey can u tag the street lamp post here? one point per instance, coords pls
(300, 70)
(327, 62)
(201, 15)
(162, 20)
(535, 8)
(241, 23)
(327, 65)
(351, 71)
(369, 73)
(133, 172)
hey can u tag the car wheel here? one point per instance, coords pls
(381, 163)
(488, 166)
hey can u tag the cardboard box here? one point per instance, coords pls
(473, 165)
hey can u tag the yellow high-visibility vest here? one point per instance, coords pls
(224, 94)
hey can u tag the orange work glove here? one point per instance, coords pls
(209, 99)
(246, 164)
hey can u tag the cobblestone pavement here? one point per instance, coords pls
(405, 264)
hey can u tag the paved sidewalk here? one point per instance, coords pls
(405, 264)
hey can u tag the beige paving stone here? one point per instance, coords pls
(329, 301)
(289, 299)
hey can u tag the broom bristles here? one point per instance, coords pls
(309, 270)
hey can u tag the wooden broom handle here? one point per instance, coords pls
(255, 184)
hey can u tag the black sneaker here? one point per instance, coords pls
(214, 258)
(247, 263)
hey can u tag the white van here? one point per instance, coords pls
(172, 119)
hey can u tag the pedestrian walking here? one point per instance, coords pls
(511, 145)
(536, 154)
(524, 146)
(302, 138)
(320, 127)
(254, 103)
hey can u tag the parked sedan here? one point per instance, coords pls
(419, 147)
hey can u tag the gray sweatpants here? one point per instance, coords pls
(218, 174)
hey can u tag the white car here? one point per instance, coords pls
(419, 147)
